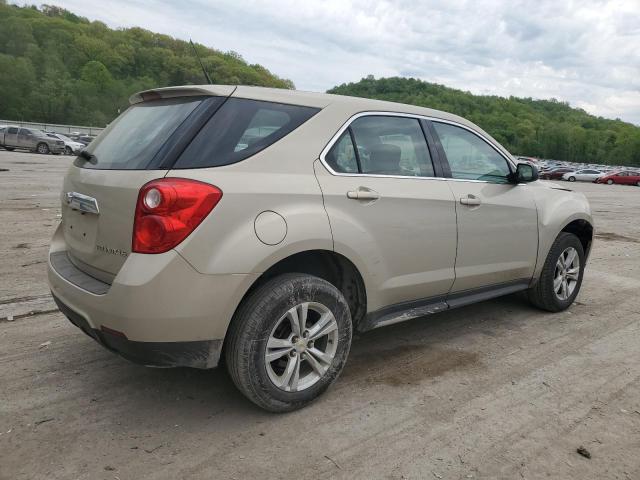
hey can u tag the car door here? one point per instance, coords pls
(11, 137)
(497, 220)
(388, 211)
(25, 138)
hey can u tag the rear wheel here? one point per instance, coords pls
(11, 149)
(288, 341)
(68, 151)
(561, 276)
(42, 148)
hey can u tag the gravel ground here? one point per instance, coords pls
(494, 390)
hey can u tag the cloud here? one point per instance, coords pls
(584, 52)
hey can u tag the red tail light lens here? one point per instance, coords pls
(168, 210)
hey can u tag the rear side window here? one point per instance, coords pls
(383, 146)
(12, 130)
(134, 138)
(241, 128)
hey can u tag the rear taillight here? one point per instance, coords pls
(168, 210)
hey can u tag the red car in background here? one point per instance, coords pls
(622, 178)
(555, 173)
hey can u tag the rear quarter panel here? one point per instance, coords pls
(279, 179)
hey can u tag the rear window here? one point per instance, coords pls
(132, 140)
(241, 128)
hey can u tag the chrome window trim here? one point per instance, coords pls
(351, 119)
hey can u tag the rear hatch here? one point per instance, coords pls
(101, 189)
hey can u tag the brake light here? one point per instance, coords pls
(168, 210)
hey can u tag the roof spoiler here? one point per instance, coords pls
(189, 91)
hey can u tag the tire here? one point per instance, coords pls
(572, 179)
(42, 148)
(11, 149)
(68, 151)
(609, 182)
(543, 294)
(263, 318)
(638, 184)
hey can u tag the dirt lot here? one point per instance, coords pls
(495, 390)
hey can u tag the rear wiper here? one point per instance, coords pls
(89, 157)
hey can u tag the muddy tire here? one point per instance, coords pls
(288, 341)
(561, 276)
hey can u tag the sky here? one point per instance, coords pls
(584, 52)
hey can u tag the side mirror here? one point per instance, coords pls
(524, 173)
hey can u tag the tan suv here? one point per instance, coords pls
(264, 226)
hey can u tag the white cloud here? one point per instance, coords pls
(584, 52)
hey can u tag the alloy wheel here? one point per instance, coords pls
(566, 274)
(301, 346)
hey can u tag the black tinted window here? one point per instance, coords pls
(239, 129)
(470, 157)
(12, 130)
(392, 146)
(134, 138)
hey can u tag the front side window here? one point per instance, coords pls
(384, 145)
(241, 128)
(470, 157)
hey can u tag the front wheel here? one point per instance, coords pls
(572, 179)
(609, 182)
(68, 151)
(561, 276)
(288, 341)
(42, 148)
(10, 149)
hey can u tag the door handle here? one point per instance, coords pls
(363, 193)
(470, 200)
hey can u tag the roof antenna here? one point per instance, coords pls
(206, 75)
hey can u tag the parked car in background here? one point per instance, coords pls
(621, 178)
(30, 139)
(80, 138)
(584, 175)
(184, 238)
(555, 173)
(71, 147)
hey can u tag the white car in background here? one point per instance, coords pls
(71, 147)
(584, 175)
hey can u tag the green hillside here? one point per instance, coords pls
(60, 68)
(540, 128)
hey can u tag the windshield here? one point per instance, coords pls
(134, 138)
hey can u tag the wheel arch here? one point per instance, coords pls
(583, 229)
(326, 264)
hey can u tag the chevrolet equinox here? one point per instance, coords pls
(260, 228)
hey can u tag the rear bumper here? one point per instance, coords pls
(158, 311)
(197, 354)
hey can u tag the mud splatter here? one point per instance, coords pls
(407, 364)
(614, 237)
